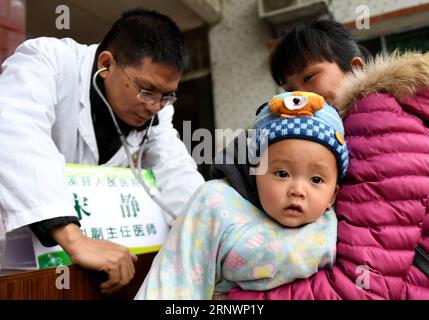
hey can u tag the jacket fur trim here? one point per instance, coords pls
(399, 75)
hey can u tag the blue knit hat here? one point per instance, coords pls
(301, 115)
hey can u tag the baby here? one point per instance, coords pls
(223, 240)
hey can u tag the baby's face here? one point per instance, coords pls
(300, 183)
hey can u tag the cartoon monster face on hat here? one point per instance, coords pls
(297, 103)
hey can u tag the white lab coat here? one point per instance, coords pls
(45, 122)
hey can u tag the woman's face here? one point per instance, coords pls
(322, 78)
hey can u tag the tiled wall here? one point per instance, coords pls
(12, 26)
(239, 64)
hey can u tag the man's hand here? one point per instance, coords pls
(98, 255)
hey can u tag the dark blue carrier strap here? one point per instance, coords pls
(421, 260)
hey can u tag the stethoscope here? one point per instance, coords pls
(137, 171)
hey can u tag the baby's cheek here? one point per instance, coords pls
(319, 206)
(276, 197)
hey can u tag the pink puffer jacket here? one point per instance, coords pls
(382, 207)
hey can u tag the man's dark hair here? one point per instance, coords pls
(315, 41)
(141, 33)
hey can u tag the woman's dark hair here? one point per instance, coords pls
(316, 41)
(141, 33)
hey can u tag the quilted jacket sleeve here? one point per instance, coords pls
(380, 207)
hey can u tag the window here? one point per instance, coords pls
(417, 39)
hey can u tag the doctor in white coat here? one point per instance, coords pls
(50, 115)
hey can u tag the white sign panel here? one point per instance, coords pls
(111, 205)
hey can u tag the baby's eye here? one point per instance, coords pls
(316, 180)
(281, 174)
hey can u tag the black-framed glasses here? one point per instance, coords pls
(150, 97)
